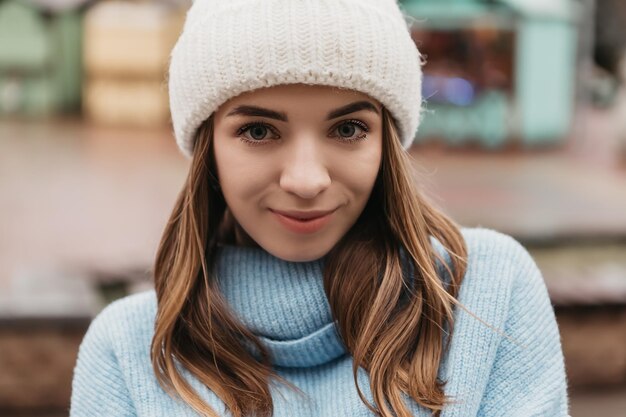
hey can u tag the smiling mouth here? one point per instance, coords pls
(309, 222)
(303, 215)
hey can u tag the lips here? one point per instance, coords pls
(303, 222)
(303, 215)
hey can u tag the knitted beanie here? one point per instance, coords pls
(229, 47)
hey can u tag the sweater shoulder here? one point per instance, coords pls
(488, 243)
(113, 357)
(489, 248)
(136, 307)
(500, 266)
(496, 251)
(496, 263)
(127, 321)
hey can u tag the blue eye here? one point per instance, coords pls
(351, 131)
(346, 130)
(256, 133)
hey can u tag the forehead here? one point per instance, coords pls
(294, 99)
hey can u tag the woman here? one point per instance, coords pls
(301, 273)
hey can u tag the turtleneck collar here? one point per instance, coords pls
(281, 302)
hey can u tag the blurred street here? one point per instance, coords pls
(559, 193)
(86, 201)
(524, 132)
(77, 195)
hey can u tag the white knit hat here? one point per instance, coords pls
(232, 46)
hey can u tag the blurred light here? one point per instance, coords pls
(452, 90)
(459, 91)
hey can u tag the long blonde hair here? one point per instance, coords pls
(392, 325)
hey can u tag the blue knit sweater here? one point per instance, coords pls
(284, 303)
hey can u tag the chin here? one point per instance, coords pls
(297, 253)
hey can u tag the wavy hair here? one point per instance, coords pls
(393, 324)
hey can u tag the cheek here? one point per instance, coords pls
(359, 173)
(241, 176)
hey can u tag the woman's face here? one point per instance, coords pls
(296, 164)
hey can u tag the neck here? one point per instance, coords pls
(281, 302)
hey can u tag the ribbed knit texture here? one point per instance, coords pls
(235, 46)
(284, 303)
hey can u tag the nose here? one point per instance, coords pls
(305, 173)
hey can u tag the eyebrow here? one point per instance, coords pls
(256, 111)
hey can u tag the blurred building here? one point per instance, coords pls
(125, 55)
(40, 58)
(497, 72)
(84, 198)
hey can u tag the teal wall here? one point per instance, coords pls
(539, 112)
(40, 60)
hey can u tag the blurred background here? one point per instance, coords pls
(525, 133)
